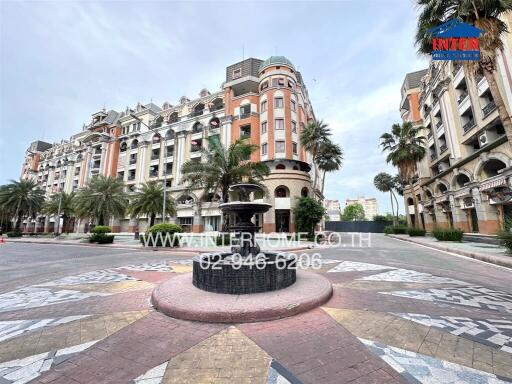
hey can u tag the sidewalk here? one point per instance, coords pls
(489, 253)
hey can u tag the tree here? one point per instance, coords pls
(329, 159)
(483, 14)
(313, 136)
(384, 182)
(223, 167)
(405, 147)
(102, 199)
(61, 203)
(149, 200)
(308, 213)
(353, 212)
(21, 199)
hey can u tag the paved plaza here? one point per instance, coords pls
(400, 313)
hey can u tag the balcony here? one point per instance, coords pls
(470, 124)
(438, 124)
(155, 156)
(489, 108)
(443, 148)
(462, 97)
(429, 135)
(196, 113)
(244, 115)
(216, 107)
(195, 148)
(133, 161)
(153, 174)
(433, 156)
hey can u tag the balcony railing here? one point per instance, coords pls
(153, 174)
(433, 156)
(131, 177)
(155, 156)
(489, 108)
(462, 97)
(456, 69)
(429, 134)
(216, 107)
(196, 113)
(439, 123)
(133, 160)
(443, 148)
(478, 77)
(245, 115)
(470, 124)
(195, 148)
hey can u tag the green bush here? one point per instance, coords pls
(449, 234)
(416, 232)
(101, 229)
(388, 230)
(162, 232)
(101, 238)
(14, 234)
(223, 239)
(505, 238)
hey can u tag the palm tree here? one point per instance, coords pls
(329, 159)
(405, 147)
(482, 14)
(149, 200)
(22, 199)
(312, 137)
(102, 199)
(223, 167)
(61, 203)
(384, 182)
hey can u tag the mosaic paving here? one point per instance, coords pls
(354, 266)
(494, 332)
(417, 368)
(473, 296)
(117, 337)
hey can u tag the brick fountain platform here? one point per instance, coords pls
(178, 298)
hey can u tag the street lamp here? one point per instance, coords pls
(165, 164)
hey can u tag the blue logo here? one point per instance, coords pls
(455, 40)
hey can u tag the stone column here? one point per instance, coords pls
(181, 153)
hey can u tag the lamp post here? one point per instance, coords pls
(165, 164)
(60, 201)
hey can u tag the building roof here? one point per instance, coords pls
(276, 60)
(413, 79)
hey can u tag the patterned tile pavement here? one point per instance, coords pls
(384, 324)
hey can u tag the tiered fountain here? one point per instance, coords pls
(245, 269)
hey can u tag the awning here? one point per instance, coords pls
(493, 184)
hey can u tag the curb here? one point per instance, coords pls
(502, 261)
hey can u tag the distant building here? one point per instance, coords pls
(333, 209)
(370, 205)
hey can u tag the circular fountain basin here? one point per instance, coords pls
(245, 206)
(223, 273)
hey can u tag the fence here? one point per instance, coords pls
(356, 226)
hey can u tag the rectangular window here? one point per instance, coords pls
(280, 146)
(245, 131)
(264, 148)
(278, 102)
(263, 106)
(264, 127)
(279, 124)
(294, 127)
(245, 111)
(278, 82)
(293, 105)
(237, 73)
(294, 148)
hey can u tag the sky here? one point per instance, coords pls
(62, 61)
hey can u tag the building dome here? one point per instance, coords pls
(276, 60)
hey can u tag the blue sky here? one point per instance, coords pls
(62, 61)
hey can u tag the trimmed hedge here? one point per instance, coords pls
(395, 230)
(450, 234)
(416, 232)
(163, 232)
(101, 238)
(224, 239)
(101, 229)
(505, 238)
(14, 234)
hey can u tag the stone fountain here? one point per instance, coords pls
(245, 269)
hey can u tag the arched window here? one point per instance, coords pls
(492, 167)
(157, 123)
(410, 201)
(185, 199)
(282, 191)
(428, 194)
(156, 138)
(280, 166)
(173, 118)
(264, 85)
(198, 109)
(123, 146)
(170, 134)
(197, 127)
(214, 123)
(217, 105)
(304, 192)
(461, 180)
(442, 188)
(135, 144)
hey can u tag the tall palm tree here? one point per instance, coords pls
(61, 203)
(149, 200)
(405, 147)
(483, 14)
(22, 199)
(329, 159)
(384, 182)
(223, 167)
(312, 137)
(102, 199)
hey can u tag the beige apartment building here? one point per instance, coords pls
(465, 180)
(263, 101)
(333, 209)
(370, 206)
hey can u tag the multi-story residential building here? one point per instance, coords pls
(265, 102)
(333, 209)
(370, 206)
(464, 180)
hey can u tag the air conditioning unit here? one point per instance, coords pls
(487, 137)
(442, 167)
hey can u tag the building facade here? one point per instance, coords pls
(464, 181)
(370, 206)
(333, 209)
(264, 102)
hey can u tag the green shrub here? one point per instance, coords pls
(416, 232)
(395, 230)
(14, 234)
(101, 238)
(223, 239)
(388, 230)
(163, 232)
(505, 238)
(449, 234)
(101, 229)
